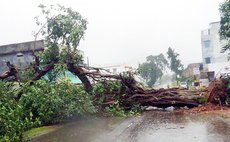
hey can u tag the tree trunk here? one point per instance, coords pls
(78, 71)
(12, 72)
(177, 83)
(40, 73)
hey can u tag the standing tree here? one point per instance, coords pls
(225, 24)
(153, 68)
(175, 63)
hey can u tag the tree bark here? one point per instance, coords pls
(40, 73)
(79, 72)
(12, 72)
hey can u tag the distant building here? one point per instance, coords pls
(212, 46)
(19, 54)
(192, 69)
(117, 68)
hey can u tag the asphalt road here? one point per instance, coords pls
(152, 126)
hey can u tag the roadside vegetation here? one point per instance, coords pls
(42, 103)
(45, 103)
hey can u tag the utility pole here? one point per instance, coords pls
(88, 62)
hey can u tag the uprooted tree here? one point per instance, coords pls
(63, 29)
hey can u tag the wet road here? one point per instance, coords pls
(152, 126)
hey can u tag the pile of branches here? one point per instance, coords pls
(132, 93)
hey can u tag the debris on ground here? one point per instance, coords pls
(132, 93)
(206, 108)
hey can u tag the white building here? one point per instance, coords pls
(212, 46)
(117, 68)
(213, 59)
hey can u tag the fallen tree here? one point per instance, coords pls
(63, 30)
(136, 94)
(130, 93)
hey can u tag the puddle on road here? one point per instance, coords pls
(157, 126)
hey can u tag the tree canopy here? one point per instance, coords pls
(174, 63)
(63, 29)
(225, 24)
(153, 68)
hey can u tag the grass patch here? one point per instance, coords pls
(202, 100)
(35, 132)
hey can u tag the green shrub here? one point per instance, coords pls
(13, 122)
(44, 103)
(202, 100)
(107, 87)
(55, 102)
(41, 103)
(117, 110)
(100, 90)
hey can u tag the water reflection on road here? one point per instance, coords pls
(157, 126)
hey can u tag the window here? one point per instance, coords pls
(201, 67)
(208, 60)
(20, 59)
(207, 44)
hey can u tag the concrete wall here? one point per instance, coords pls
(21, 47)
(219, 68)
(190, 70)
(22, 61)
(18, 54)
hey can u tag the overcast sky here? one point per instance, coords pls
(122, 31)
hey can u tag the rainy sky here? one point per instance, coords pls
(122, 31)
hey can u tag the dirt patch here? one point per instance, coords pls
(210, 109)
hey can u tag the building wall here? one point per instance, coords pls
(21, 47)
(19, 54)
(211, 45)
(207, 50)
(21, 61)
(191, 69)
(219, 68)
